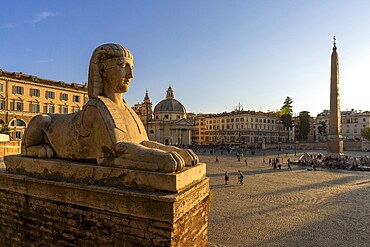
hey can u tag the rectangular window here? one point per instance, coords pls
(1, 87)
(2, 104)
(17, 89)
(34, 107)
(50, 95)
(64, 110)
(17, 135)
(76, 109)
(19, 106)
(51, 109)
(64, 96)
(35, 92)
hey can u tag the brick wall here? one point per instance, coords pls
(26, 220)
(191, 228)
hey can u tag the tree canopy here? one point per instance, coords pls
(365, 133)
(322, 129)
(303, 125)
(5, 129)
(286, 113)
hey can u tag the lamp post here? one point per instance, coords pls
(295, 148)
(279, 126)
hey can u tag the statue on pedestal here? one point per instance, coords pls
(106, 131)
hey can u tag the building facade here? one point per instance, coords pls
(351, 124)
(168, 123)
(25, 96)
(239, 128)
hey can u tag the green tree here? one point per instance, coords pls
(286, 113)
(304, 125)
(365, 133)
(5, 129)
(322, 129)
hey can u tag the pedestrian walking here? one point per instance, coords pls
(289, 167)
(226, 178)
(238, 177)
(246, 162)
(241, 178)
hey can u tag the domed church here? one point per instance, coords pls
(168, 123)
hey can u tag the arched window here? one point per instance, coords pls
(17, 123)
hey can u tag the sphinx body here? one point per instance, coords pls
(106, 131)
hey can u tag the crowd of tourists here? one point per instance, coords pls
(320, 161)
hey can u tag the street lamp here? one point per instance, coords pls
(279, 126)
(295, 148)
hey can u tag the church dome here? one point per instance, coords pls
(170, 104)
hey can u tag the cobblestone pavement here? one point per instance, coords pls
(286, 208)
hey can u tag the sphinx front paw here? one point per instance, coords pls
(190, 158)
(38, 151)
(169, 162)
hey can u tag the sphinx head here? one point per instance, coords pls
(110, 64)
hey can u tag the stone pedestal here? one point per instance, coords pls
(335, 146)
(60, 203)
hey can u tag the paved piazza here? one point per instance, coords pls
(286, 208)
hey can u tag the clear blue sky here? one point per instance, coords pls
(215, 54)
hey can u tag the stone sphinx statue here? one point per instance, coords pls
(106, 131)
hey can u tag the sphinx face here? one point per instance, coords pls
(119, 72)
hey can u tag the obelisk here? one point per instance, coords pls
(335, 140)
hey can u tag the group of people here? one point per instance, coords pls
(240, 178)
(275, 163)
